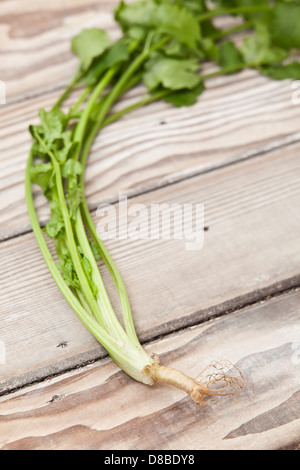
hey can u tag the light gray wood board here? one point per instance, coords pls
(35, 42)
(251, 250)
(235, 118)
(101, 408)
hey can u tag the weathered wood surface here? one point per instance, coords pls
(35, 42)
(101, 408)
(237, 114)
(237, 152)
(251, 250)
(235, 118)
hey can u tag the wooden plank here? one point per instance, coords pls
(74, 412)
(251, 250)
(35, 42)
(236, 118)
(236, 114)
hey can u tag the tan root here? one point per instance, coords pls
(215, 381)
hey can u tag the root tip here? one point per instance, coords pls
(215, 381)
(218, 380)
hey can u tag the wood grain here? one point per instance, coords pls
(237, 114)
(36, 42)
(237, 152)
(234, 119)
(75, 411)
(251, 250)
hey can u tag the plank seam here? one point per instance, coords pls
(179, 177)
(24, 381)
(194, 172)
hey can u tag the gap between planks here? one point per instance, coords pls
(177, 177)
(264, 416)
(179, 300)
(98, 357)
(226, 124)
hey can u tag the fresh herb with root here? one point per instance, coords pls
(164, 45)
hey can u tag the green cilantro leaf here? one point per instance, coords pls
(65, 148)
(55, 226)
(75, 198)
(68, 272)
(258, 49)
(185, 97)
(71, 168)
(197, 8)
(42, 174)
(241, 3)
(40, 169)
(282, 72)
(178, 50)
(285, 25)
(53, 123)
(166, 18)
(88, 270)
(210, 50)
(229, 55)
(171, 73)
(118, 53)
(90, 43)
(37, 149)
(96, 251)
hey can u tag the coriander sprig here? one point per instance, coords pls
(164, 46)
